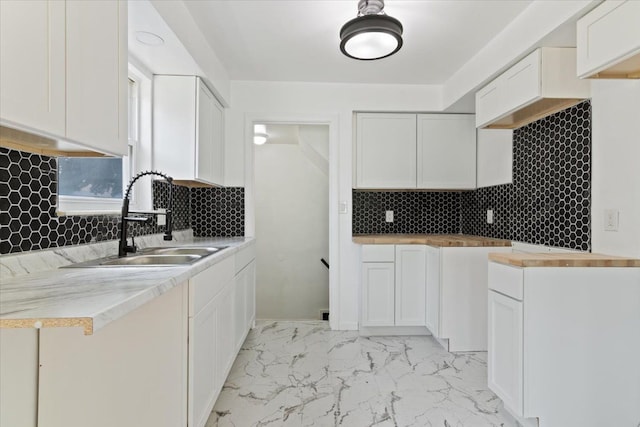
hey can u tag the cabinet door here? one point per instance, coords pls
(225, 352)
(433, 291)
(505, 353)
(96, 60)
(202, 364)
(489, 102)
(446, 151)
(217, 161)
(240, 307)
(386, 151)
(32, 68)
(205, 134)
(378, 294)
(410, 285)
(250, 283)
(522, 83)
(608, 40)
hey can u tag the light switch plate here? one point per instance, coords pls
(388, 217)
(611, 219)
(343, 207)
(489, 216)
(161, 219)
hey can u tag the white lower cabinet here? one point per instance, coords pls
(393, 285)
(505, 342)
(456, 286)
(378, 283)
(564, 344)
(410, 285)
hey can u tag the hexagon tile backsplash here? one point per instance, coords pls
(548, 203)
(28, 220)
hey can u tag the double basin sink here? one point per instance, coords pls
(154, 257)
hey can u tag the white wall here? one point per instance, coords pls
(494, 157)
(616, 165)
(292, 232)
(256, 99)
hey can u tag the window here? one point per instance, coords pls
(96, 184)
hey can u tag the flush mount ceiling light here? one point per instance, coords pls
(372, 34)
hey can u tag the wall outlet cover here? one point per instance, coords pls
(388, 217)
(611, 219)
(489, 216)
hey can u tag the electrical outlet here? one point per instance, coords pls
(611, 219)
(161, 219)
(489, 216)
(388, 216)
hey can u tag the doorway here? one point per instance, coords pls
(291, 209)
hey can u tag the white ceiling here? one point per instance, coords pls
(298, 40)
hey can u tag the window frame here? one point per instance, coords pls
(138, 158)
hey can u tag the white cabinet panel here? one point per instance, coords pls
(505, 355)
(542, 83)
(386, 150)
(378, 304)
(446, 151)
(133, 372)
(225, 351)
(250, 295)
(202, 364)
(410, 270)
(522, 83)
(96, 55)
(608, 40)
(240, 308)
(32, 65)
(18, 377)
(494, 157)
(188, 130)
(433, 291)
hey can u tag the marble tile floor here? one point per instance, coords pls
(303, 374)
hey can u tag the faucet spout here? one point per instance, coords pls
(123, 247)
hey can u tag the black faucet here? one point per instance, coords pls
(123, 248)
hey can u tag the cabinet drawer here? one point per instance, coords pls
(378, 253)
(208, 283)
(244, 257)
(506, 280)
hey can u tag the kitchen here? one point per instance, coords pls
(614, 129)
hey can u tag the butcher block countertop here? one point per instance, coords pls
(578, 259)
(438, 240)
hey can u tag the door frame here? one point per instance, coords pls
(331, 120)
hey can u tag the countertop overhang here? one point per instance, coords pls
(438, 240)
(91, 298)
(569, 259)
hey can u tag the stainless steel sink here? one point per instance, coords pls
(189, 250)
(153, 257)
(153, 260)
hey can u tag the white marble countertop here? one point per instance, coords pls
(93, 297)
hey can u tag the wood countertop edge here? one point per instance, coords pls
(562, 260)
(86, 323)
(437, 240)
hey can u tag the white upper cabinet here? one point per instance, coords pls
(541, 84)
(609, 41)
(408, 151)
(446, 151)
(386, 150)
(32, 65)
(188, 131)
(97, 78)
(63, 71)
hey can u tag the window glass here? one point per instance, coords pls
(90, 177)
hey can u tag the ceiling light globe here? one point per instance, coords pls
(259, 139)
(371, 37)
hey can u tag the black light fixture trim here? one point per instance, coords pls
(371, 23)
